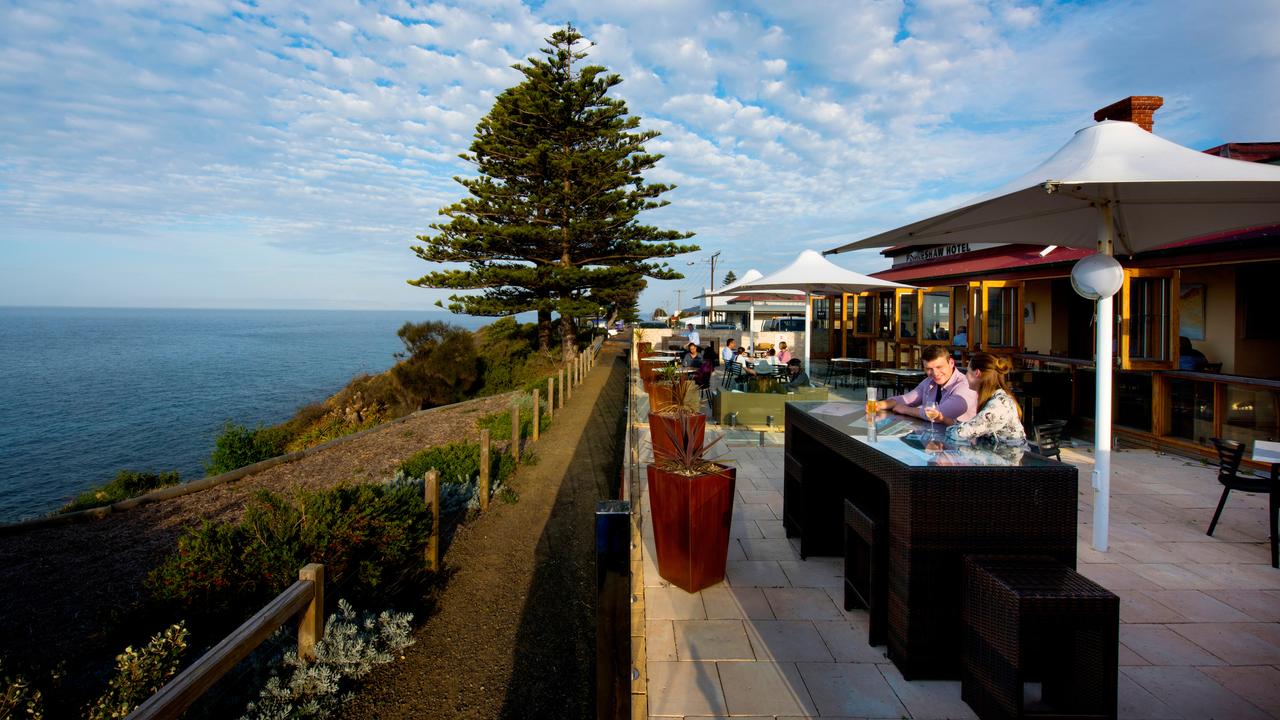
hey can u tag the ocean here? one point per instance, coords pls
(86, 392)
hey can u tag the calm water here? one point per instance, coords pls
(87, 392)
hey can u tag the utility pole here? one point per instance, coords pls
(711, 315)
(679, 304)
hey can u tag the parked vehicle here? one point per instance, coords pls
(783, 324)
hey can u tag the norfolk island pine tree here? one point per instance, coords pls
(550, 221)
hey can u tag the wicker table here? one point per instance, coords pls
(938, 507)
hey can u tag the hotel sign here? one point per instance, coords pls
(938, 252)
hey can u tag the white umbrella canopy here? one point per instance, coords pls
(728, 291)
(1116, 187)
(814, 274)
(1159, 193)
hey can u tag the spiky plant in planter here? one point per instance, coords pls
(674, 406)
(692, 506)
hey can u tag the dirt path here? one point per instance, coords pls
(513, 635)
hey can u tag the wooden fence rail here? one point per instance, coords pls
(305, 596)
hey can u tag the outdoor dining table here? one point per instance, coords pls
(898, 379)
(940, 501)
(844, 368)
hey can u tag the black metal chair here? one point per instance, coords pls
(1049, 437)
(1230, 453)
(733, 376)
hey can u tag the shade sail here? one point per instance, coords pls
(1160, 193)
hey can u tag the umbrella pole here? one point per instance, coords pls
(808, 322)
(1102, 399)
(751, 327)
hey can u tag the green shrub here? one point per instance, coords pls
(352, 647)
(140, 674)
(369, 537)
(18, 698)
(440, 365)
(459, 463)
(127, 484)
(239, 446)
(499, 424)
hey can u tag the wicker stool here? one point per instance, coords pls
(866, 555)
(1033, 618)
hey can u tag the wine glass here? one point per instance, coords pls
(931, 412)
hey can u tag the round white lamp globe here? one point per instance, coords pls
(1097, 276)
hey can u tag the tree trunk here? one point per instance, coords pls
(568, 337)
(544, 329)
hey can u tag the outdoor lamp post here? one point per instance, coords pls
(1098, 278)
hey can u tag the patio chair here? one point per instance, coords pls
(733, 376)
(1230, 453)
(1048, 437)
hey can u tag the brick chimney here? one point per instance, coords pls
(1135, 109)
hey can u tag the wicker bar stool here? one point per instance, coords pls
(1035, 619)
(866, 562)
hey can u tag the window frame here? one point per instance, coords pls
(984, 287)
(951, 314)
(1171, 330)
(899, 297)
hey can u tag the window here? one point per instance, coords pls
(1003, 313)
(862, 317)
(907, 326)
(1148, 317)
(960, 332)
(886, 316)
(935, 315)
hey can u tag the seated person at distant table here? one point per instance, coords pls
(692, 357)
(796, 376)
(999, 418)
(942, 385)
(743, 360)
(766, 364)
(1189, 358)
(961, 338)
(728, 352)
(784, 355)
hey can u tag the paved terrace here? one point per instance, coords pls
(1200, 616)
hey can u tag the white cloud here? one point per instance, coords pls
(325, 136)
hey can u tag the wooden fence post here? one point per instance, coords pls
(484, 469)
(551, 396)
(536, 416)
(569, 383)
(515, 430)
(431, 492)
(311, 626)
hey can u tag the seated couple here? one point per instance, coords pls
(976, 405)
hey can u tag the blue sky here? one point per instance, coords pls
(280, 154)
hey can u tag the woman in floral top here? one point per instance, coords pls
(999, 418)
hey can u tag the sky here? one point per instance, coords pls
(285, 155)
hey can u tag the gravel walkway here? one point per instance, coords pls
(513, 635)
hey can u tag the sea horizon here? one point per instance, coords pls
(93, 390)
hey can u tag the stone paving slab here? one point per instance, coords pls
(1200, 615)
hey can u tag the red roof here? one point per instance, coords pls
(1007, 258)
